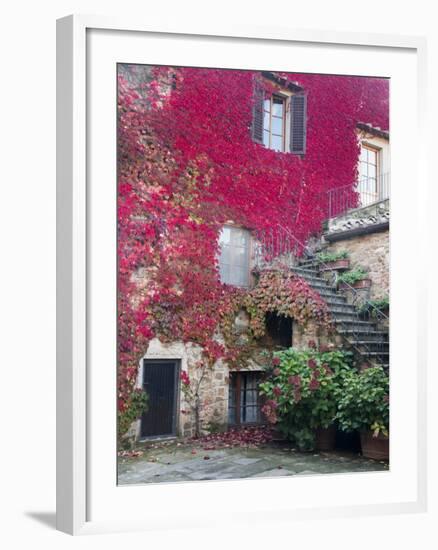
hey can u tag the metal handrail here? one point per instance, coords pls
(344, 198)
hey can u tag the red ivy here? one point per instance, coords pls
(187, 164)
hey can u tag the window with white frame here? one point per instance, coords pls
(234, 256)
(369, 166)
(274, 123)
(280, 119)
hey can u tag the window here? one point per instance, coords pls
(274, 123)
(280, 120)
(234, 245)
(244, 405)
(368, 175)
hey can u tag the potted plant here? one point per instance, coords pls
(333, 261)
(301, 395)
(364, 406)
(356, 278)
(373, 308)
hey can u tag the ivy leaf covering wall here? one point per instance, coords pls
(187, 164)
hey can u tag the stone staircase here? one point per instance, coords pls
(369, 343)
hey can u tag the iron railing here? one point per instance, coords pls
(275, 246)
(367, 191)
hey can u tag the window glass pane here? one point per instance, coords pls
(239, 237)
(372, 171)
(252, 380)
(267, 105)
(277, 126)
(266, 119)
(277, 143)
(249, 414)
(225, 235)
(363, 154)
(251, 397)
(277, 106)
(224, 272)
(372, 157)
(266, 138)
(238, 276)
(372, 185)
(239, 257)
(226, 254)
(234, 256)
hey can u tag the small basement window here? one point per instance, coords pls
(244, 402)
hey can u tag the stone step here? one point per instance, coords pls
(381, 359)
(363, 334)
(303, 272)
(360, 324)
(312, 280)
(380, 354)
(328, 291)
(323, 286)
(346, 317)
(310, 267)
(342, 308)
(335, 300)
(372, 345)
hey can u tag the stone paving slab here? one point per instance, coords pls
(185, 463)
(275, 473)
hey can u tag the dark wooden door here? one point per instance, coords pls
(160, 381)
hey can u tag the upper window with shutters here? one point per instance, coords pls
(280, 117)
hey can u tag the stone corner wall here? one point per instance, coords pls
(371, 251)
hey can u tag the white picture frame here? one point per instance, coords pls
(76, 214)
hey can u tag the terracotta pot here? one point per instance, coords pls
(363, 283)
(325, 438)
(374, 447)
(337, 265)
(277, 435)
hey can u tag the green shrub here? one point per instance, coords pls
(327, 257)
(302, 392)
(364, 402)
(372, 307)
(352, 276)
(137, 404)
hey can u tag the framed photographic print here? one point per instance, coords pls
(237, 314)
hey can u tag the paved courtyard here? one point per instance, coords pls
(182, 462)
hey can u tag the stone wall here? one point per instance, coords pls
(302, 335)
(213, 389)
(215, 384)
(371, 251)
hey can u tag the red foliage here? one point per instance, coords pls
(250, 436)
(187, 164)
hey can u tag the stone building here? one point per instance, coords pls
(357, 223)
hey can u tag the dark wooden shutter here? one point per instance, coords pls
(257, 114)
(298, 123)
